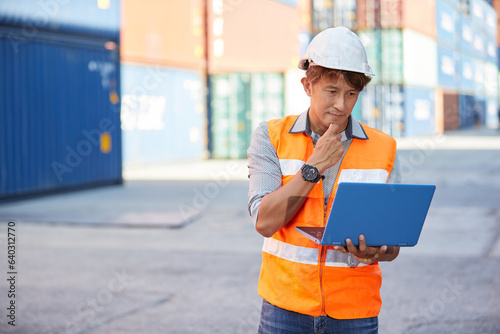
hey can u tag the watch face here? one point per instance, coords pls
(310, 173)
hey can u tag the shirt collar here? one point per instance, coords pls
(354, 128)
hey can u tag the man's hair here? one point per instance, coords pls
(356, 80)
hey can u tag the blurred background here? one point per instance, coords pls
(165, 95)
(98, 86)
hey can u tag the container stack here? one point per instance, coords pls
(435, 62)
(248, 67)
(59, 96)
(400, 40)
(163, 81)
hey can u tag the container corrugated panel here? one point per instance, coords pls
(372, 40)
(391, 14)
(419, 111)
(448, 24)
(491, 50)
(479, 44)
(153, 40)
(451, 111)
(322, 15)
(420, 59)
(97, 18)
(476, 8)
(490, 21)
(240, 101)
(162, 114)
(492, 111)
(466, 35)
(368, 14)
(420, 16)
(467, 74)
(345, 14)
(60, 114)
(393, 110)
(491, 79)
(448, 68)
(479, 79)
(392, 57)
(231, 127)
(472, 111)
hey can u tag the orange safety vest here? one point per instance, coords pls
(302, 276)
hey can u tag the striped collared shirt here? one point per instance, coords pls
(264, 166)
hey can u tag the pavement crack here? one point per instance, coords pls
(108, 320)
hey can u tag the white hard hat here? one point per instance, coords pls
(337, 48)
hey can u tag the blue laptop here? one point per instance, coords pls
(386, 214)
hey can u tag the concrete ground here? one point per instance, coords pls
(174, 250)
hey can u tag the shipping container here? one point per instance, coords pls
(448, 68)
(271, 45)
(466, 35)
(239, 102)
(416, 15)
(492, 113)
(476, 8)
(419, 118)
(368, 14)
(345, 14)
(451, 114)
(158, 32)
(59, 114)
(393, 110)
(391, 14)
(472, 111)
(496, 8)
(419, 59)
(491, 79)
(479, 44)
(296, 99)
(467, 74)
(162, 114)
(82, 17)
(372, 40)
(322, 15)
(491, 50)
(448, 24)
(479, 79)
(392, 57)
(490, 21)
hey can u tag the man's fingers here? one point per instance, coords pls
(333, 129)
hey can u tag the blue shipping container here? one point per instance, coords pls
(467, 72)
(419, 111)
(59, 114)
(447, 24)
(162, 114)
(448, 68)
(472, 111)
(466, 32)
(492, 113)
(97, 18)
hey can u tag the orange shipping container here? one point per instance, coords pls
(253, 36)
(419, 16)
(168, 33)
(496, 6)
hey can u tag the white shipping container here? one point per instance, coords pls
(491, 79)
(419, 60)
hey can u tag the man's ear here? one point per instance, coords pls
(307, 85)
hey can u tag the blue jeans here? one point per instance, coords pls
(275, 320)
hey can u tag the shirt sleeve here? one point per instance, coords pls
(395, 176)
(263, 168)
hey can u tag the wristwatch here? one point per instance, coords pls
(310, 173)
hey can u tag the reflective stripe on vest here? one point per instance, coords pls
(306, 255)
(301, 276)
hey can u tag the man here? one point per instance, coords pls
(295, 164)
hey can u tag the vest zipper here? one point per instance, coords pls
(321, 266)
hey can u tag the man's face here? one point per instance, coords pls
(331, 102)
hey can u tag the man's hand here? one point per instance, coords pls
(367, 254)
(328, 150)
